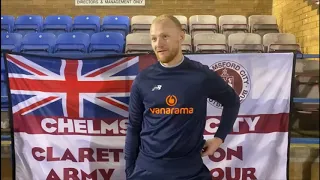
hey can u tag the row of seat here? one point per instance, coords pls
(116, 43)
(71, 42)
(209, 42)
(226, 24)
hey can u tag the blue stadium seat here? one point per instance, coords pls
(38, 43)
(4, 95)
(116, 23)
(107, 43)
(3, 74)
(88, 24)
(3, 70)
(28, 23)
(11, 41)
(72, 43)
(7, 23)
(57, 24)
(3, 67)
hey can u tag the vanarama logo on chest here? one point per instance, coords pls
(171, 101)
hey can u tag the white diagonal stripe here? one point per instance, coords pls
(116, 69)
(37, 107)
(120, 67)
(28, 102)
(35, 77)
(107, 106)
(107, 78)
(31, 64)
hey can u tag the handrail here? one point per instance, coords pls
(5, 138)
(306, 56)
(306, 100)
(304, 140)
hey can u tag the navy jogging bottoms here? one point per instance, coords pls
(142, 174)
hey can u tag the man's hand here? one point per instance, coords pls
(211, 146)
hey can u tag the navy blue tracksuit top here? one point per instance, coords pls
(167, 115)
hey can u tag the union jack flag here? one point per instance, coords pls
(50, 86)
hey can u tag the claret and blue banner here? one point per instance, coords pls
(70, 116)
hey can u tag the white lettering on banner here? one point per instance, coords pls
(251, 122)
(119, 127)
(109, 2)
(62, 125)
(46, 121)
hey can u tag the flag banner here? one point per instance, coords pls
(70, 116)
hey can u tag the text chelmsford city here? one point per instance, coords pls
(118, 127)
(82, 126)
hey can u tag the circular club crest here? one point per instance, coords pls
(236, 76)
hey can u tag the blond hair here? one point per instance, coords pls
(170, 17)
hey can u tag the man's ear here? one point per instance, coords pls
(182, 36)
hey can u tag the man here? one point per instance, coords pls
(167, 111)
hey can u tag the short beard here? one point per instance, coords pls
(170, 57)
